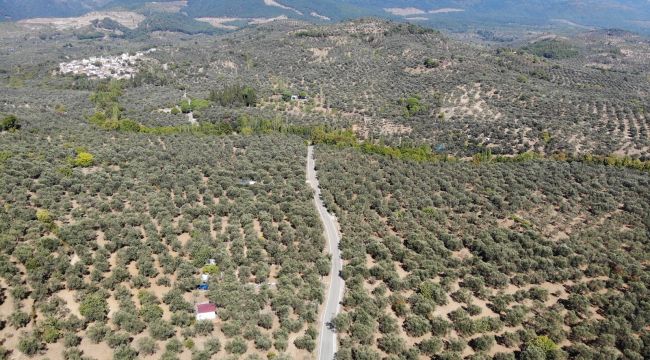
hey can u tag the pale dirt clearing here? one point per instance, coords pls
(260, 21)
(320, 55)
(386, 127)
(220, 22)
(317, 15)
(468, 101)
(405, 11)
(126, 18)
(445, 10)
(278, 5)
(171, 6)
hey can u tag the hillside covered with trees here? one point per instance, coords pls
(533, 260)
(493, 200)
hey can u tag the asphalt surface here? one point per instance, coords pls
(327, 339)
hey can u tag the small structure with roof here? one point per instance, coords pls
(206, 311)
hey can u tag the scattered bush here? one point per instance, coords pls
(9, 123)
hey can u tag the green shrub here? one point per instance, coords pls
(431, 63)
(189, 343)
(174, 345)
(9, 123)
(552, 49)
(391, 344)
(533, 353)
(161, 330)
(543, 343)
(151, 312)
(84, 159)
(97, 332)
(212, 345)
(189, 105)
(236, 346)
(416, 325)
(281, 343)
(341, 322)
(147, 346)
(19, 319)
(50, 334)
(431, 346)
(235, 96)
(71, 340)
(204, 327)
(457, 345)
(125, 352)
(413, 105)
(117, 339)
(305, 343)
(210, 269)
(94, 307)
(262, 342)
(482, 343)
(30, 345)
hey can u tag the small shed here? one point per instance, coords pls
(206, 311)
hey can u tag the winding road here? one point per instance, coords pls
(327, 340)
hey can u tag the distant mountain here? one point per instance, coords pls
(19, 9)
(23, 9)
(626, 14)
(299, 9)
(453, 14)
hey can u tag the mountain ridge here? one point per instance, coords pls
(633, 15)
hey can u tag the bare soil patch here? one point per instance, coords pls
(126, 18)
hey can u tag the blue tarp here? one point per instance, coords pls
(202, 287)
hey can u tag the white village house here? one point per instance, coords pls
(206, 311)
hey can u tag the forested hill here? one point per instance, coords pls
(602, 13)
(22, 9)
(453, 14)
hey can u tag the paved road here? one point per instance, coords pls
(327, 340)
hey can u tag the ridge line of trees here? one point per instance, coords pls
(108, 117)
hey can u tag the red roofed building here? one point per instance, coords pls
(206, 311)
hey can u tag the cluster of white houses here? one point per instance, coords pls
(104, 67)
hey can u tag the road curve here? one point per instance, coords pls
(327, 339)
